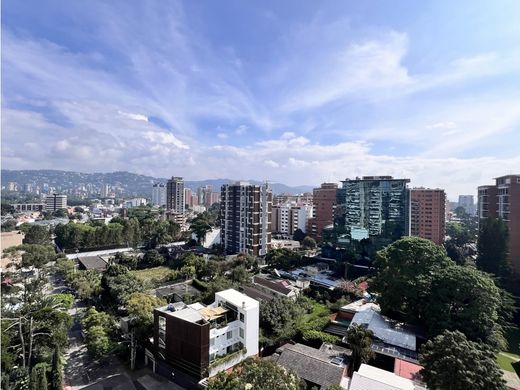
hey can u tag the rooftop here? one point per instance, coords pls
(93, 262)
(325, 366)
(372, 378)
(360, 305)
(237, 298)
(386, 329)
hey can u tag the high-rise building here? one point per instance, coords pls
(502, 200)
(373, 207)
(428, 214)
(12, 186)
(55, 202)
(214, 198)
(245, 218)
(193, 337)
(467, 202)
(105, 190)
(289, 217)
(175, 195)
(159, 194)
(188, 197)
(324, 203)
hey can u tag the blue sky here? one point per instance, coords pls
(293, 91)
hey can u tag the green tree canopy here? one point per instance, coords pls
(452, 362)
(492, 247)
(37, 235)
(464, 299)
(283, 258)
(254, 373)
(404, 275)
(309, 243)
(359, 340)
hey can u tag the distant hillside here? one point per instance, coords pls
(131, 184)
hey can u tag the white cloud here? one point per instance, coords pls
(165, 139)
(271, 163)
(222, 135)
(137, 117)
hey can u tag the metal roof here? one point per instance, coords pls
(386, 329)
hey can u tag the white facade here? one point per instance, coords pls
(289, 217)
(244, 330)
(159, 194)
(135, 202)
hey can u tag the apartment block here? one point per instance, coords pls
(467, 202)
(175, 195)
(55, 202)
(502, 200)
(428, 214)
(373, 207)
(324, 203)
(194, 338)
(159, 194)
(245, 218)
(289, 217)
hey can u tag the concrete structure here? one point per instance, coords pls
(188, 197)
(289, 217)
(374, 207)
(467, 202)
(503, 201)
(175, 195)
(55, 202)
(105, 190)
(159, 194)
(324, 203)
(372, 378)
(29, 207)
(194, 337)
(135, 202)
(204, 195)
(428, 214)
(245, 218)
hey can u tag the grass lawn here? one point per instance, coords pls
(154, 277)
(512, 354)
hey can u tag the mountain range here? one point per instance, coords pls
(132, 183)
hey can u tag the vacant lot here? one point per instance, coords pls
(157, 276)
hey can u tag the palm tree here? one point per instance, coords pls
(360, 341)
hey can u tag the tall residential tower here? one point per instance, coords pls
(175, 195)
(245, 218)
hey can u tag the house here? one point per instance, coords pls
(203, 340)
(372, 378)
(391, 338)
(92, 262)
(348, 312)
(318, 367)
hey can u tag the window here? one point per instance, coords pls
(242, 317)
(241, 332)
(230, 334)
(162, 323)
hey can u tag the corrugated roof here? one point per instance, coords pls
(385, 329)
(372, 378)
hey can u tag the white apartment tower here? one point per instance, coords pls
(159, 194)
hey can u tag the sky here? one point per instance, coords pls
(299, 92)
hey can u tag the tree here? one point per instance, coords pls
(452, 362)
(38, 378)
(467, 300)
(117, 284)
(7, 208)
(60, 213)
(359, 340)
(298, 235)
(151, 258)
(309, 243)
(37, 235)
(9, 225)
(56, 370)
(492, 246)
(283, 258)
(98, 342)
(37, 255)
(404, 274)
(254, 373)
(200, 226)
(140, 307)
(87, 284)
(66, 268)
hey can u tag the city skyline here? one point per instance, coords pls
(293, 93)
